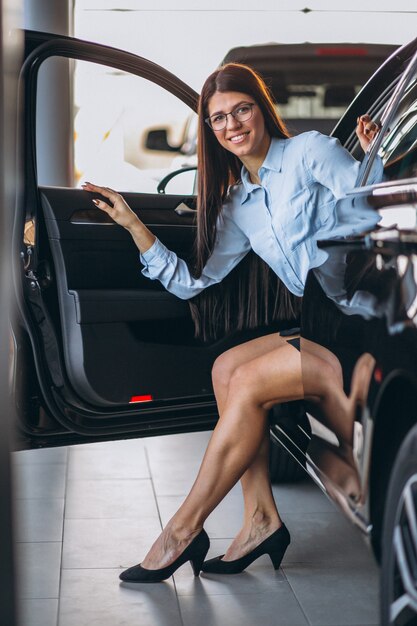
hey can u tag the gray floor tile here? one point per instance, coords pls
(110, 499)
(325, 539)
(277, 608)
(303, 497)
(112, 519)
(39, 480)
(174, 462)
(174, 447)
(345, 595)
(260, 577)
(38, 612)
(102, 543)
(38, 570)
(224, 521)
(108, 460)
(173, 480)
(39, 519)
(95, 598)
(41, 455)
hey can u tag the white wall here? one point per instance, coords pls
(191, 39)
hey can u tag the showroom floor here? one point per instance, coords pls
(86, 512)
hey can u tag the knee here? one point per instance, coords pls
(325, 377)
(244, 382)
(336, 368)
(222, 370)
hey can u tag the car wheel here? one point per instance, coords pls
(399, 540)
(283, 468)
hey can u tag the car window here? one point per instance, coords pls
(312, 83)
(398, 152)
(116, 119)
(315, 100)
(399, 147)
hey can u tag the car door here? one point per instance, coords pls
(98, 350)
(357, 305)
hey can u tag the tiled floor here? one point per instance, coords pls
(86, 512)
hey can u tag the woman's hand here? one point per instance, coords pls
(120, 212)
(123, 215)
(366, 131)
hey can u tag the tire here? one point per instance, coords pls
(399, 540)
(283, 468)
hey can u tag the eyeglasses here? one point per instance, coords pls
(241, 113)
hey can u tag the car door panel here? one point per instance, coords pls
(112, 318)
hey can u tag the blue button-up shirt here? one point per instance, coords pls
(303, 181)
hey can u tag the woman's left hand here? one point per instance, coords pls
(366, 131)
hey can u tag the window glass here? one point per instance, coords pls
(124, 131)
(399, 147)
(312, 100)
(313, 83)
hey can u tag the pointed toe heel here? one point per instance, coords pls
(196, 552)
(275, 546)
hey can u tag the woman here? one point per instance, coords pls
(258, 190)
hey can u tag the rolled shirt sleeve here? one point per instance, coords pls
(164, 265)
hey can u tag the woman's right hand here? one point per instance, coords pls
(366, 130)
(120, 212)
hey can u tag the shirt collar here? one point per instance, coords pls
(272, 161)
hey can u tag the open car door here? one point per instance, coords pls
(100, 351)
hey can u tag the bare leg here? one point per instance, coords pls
(240, 432)
(337, 410)
(275, 376)
(261, 517)
(338, 463)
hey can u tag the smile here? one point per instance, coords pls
(238, 138)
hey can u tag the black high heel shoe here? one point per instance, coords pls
(196, 553)
(274, 545)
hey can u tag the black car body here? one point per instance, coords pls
(101, 353)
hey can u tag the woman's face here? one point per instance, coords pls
(244, 139)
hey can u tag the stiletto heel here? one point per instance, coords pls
(275, 546)
(196, 553)
(197, 562)
(276, 558)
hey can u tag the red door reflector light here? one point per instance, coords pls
(145, 398)
(378, 374)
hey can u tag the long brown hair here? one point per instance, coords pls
(252, 295)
